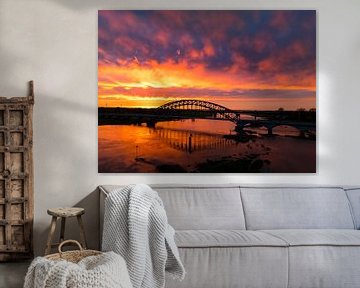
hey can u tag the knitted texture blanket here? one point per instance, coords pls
(136, 227)
(103, 271)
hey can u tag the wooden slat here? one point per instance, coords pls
(16, 100)
(13, 201)
(10, 222)
(15, 176)
(19, 149)
(12, 128)
(13, 248)
(29, 181)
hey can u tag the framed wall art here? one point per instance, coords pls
(230, 91)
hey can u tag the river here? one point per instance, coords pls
(200, 146)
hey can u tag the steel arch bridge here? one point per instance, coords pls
(220, 112)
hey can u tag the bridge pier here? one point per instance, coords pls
(302, 134)
(239, 128)
(270, 130)
(151, 124)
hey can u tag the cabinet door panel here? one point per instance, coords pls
(16, 183)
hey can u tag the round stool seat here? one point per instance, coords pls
(66, 211)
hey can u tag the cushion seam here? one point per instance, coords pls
(322, 245)
(288, 267)
(351, 211)
(310, 245)
(243, 209)
(272, 246)
(349, 189)
(232, 246)
(278, 237)
(200, 186)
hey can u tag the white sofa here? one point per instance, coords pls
(242, 236)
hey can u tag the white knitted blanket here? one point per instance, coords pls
(136, 227)
(103, 271)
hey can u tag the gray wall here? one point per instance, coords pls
(54, 42)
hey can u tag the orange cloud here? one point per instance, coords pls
(209, 49)
(171, 75)
(153, 83)
(148, 57)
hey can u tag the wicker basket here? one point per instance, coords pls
(72, 256)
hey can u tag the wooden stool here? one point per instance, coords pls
(64, 213)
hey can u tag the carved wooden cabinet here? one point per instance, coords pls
(16, 177)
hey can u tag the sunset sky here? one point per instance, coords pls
(259, 60)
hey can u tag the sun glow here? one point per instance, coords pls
(138, 68)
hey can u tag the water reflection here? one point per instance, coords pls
(191, 141)
(187, 146)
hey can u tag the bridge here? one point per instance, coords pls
(223, 113)
(200, 109)
(271, 124)
(219, 112)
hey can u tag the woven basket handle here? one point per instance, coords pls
(69, 241)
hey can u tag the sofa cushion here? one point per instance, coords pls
(226, 238)
(315, 237)
(204, 208)
(322, 258)
(324, 266)
(220, 267)
(296, 208)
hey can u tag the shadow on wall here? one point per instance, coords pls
(65, 122)
(91, 223)
(91, 219)
(66, 157)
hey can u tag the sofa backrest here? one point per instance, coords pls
(211, 207)
(203, 207)
(296, 208)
